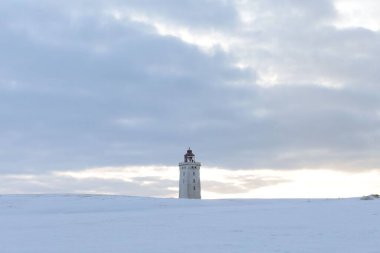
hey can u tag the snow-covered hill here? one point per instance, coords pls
(119, 224)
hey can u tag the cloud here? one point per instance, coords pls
(94, 181)
(249, 85)
(239, 184)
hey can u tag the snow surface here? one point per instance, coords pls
(120, 224)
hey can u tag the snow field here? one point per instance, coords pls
(121, 224)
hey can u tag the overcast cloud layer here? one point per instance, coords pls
(247, 84)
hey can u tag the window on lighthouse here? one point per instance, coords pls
(194, 188)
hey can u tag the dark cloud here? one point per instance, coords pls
(79, 88)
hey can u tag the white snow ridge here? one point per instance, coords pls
(120, 224)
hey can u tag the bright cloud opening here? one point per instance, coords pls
(162, 181)
(352, 13)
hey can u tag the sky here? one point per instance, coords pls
(276, 98)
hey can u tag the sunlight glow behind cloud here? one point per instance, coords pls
(204, 40)
(216, 183)
(354, 14)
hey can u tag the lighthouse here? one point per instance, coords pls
(189, 177)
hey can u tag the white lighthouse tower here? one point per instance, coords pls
(189, 177)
